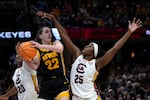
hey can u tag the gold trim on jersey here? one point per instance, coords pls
(63, 65)
(35, 82)
(63, 94)
(38, 53)
(95, 76)
(54, 54)
(99, 98)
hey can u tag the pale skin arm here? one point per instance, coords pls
(57, 46)
(108, 56)
(34, 64)
(74, 50)
(10, 93)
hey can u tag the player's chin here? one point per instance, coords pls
(48, 40)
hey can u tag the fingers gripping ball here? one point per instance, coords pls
(26, 51)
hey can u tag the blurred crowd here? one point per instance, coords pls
(128, 82)
(77, 13)
(96, 13)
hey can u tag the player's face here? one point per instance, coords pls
(46, 35)
(88, 50)
(18, 60)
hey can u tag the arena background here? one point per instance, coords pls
(104, 21)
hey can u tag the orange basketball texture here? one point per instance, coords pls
(26, 51)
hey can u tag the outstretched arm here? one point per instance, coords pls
(66, 40)
(104, 60)
(57, 46)
(10, 93)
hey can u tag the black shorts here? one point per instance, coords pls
(51, 88)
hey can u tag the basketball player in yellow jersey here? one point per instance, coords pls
(87, 63)
(53, 84)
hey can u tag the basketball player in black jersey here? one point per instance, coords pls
(53, 80)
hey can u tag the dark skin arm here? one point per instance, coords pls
(74, 50)
(10, 93)
(13, 90)
(108, 56)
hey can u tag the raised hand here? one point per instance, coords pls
(135, 24)
(45, 15)
(35, 44)
(41, 14)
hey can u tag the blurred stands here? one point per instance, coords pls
(126, 77)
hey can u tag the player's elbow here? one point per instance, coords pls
(60, 48)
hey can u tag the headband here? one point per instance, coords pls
(95, 49)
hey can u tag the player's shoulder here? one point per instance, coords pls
(17, 69)
(16, 73)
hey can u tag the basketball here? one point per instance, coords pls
(26, 51)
